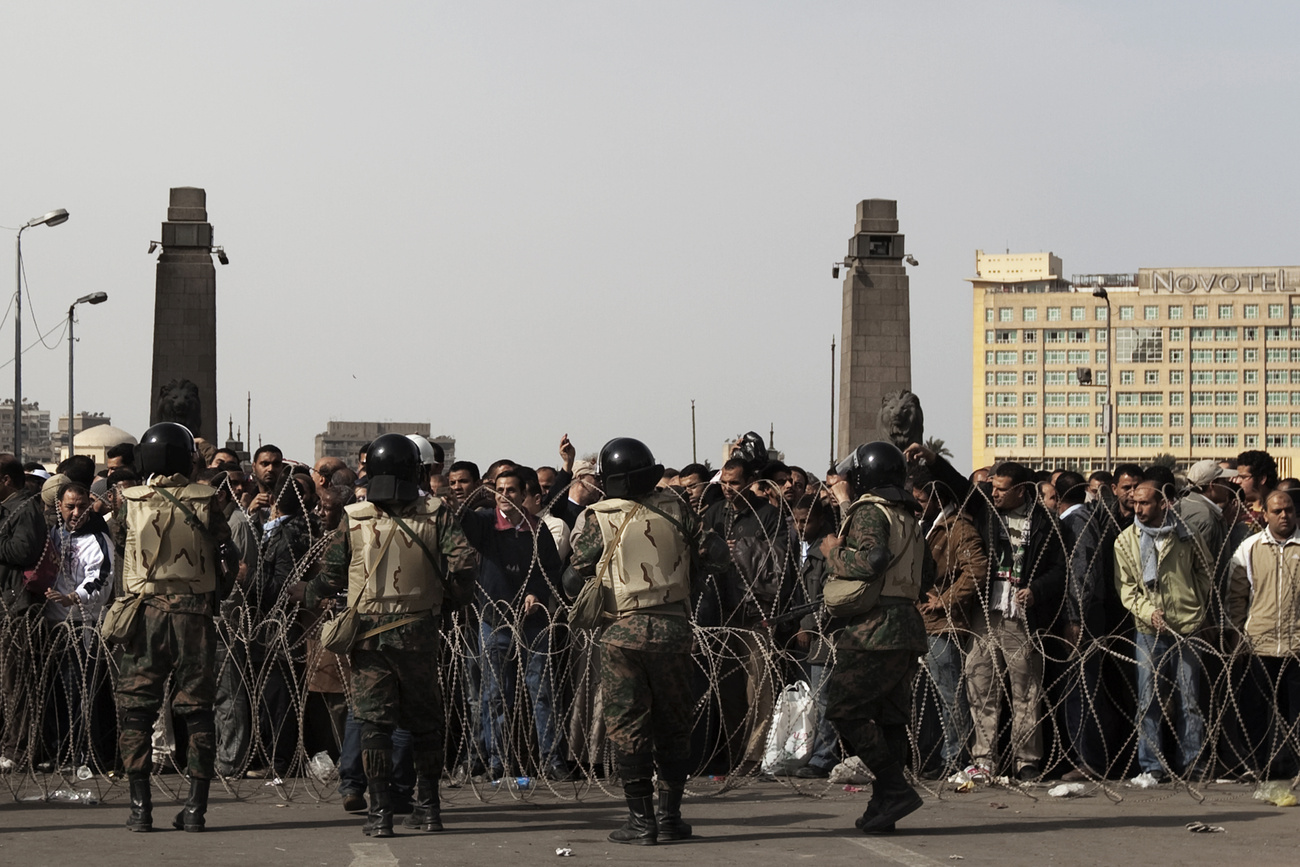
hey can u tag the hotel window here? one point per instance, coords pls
(1127, 440)
(1225, 356)
(988, 314)
(1202, 419)
(1276, 398)
(1250, 311)
(1004, 314)
(1175, 377)
(1250, 377)
(1101, 356)
(1202, 398)
(1280, 354)
(1006, 398)
(1175, 335)
(1077, 356)
(1202, 441)
(1250, 398)
(1076, 314)
(1278, 419)
(1252, 441)
(1225, 419)
(1006, 419)
(1176, 356)
(1054, 377)
(1250, 419)
(1007, 357)
(1225, 398)
(1176, 441)
(1054, 419)
(1202, 356)
(1099, 313)
(1176, 398)
(1031, 356)
(1030, 419)
(1175, 311)
(1226, 377)
(1054, 356)
(1200, 311)
(1126, 398)
(1077, 335)
(1126, 419)
(1126, 377)
(1125, 312)
(988, 377)
(1031, 335)
(1275, 311)
(1101, 441)
(1030, 314)
(1153, 398)
(1101, 398)
(1177, 419)
(1225, 311)
(1150, 311)
(1078, 398)
(1054, 398)
(1151, 377)
(1004, 335)
(988, 398)
(1250, 355)
(1053, 314)
(1031, 377)
(1054, 441)
(1030, 398)
(1137, 345)
(1153, 419)
(1225, 335)
(1272, 334)
(1225, 441)
(988, 441)
(1078, 441)
(1006, 441)
(1153, 441)
(1053, 335)
(1078, 419)
(1031, 441)
(1008, 377)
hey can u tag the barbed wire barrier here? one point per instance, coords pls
(282, 698)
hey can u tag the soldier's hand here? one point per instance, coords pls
(297, 593)
(829, 544)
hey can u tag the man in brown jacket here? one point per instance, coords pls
(962, 570)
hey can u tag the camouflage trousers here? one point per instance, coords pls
(396, 688)
(869, 701)
(181, 645)
(647, 705)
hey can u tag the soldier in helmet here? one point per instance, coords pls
(395, 553)
(179, 563)
(642, 542)
(869, 694)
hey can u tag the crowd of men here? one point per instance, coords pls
(1135, 623)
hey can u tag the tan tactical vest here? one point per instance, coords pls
(165, 552)
(906, 547)
(389, 569)
(648, 561)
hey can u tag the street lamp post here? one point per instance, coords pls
(92, 298)
(1108, 419)
(53, 218)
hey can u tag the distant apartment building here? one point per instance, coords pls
(1206, 363)
(344, 439)
(37, 445)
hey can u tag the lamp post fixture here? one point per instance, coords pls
(53, 218)
(1107, 422)
(92, 298)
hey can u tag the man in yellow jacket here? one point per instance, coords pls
(1163, 574)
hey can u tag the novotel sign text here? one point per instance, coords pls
(1190, 280)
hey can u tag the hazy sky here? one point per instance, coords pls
(515, 220)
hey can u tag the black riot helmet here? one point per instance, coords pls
(878, 468)
(166, 449)
(394, 469)
(751, 449)
(627, 469)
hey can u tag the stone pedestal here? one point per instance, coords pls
(185, 309)
(876, 343)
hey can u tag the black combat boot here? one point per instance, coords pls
(141, 818)
(426, 810)
(641, 828)
(891, 799)
(671, 826)
(379, 820)
(190, 818)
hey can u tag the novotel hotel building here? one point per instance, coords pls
(1191, 362)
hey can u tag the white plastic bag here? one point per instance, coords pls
(794, 725)
(322, 768)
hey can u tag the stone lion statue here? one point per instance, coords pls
(901, 420)
(178, 401)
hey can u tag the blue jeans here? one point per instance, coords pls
(501, 660)
(825, 750)
(1167, 658)
(352, 776)
(1083, 707)
(944, 661)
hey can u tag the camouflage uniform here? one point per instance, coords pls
(173, 636)
(395, 673)
(645, 672)
(870, 689)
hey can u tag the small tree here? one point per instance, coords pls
(1165, 460)
(937, 446)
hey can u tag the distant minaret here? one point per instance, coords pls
(876, 346)
(185, 307)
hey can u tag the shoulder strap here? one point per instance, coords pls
(414, 537)
(190, 517)
(603, 568)
(669, 518)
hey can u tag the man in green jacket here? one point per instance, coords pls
(1163, 575)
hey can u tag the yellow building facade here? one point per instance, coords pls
(1206, 364)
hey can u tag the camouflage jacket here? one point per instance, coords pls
(461, 563)
(887, 626)
(666, 628)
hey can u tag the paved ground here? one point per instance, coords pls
(771, 822)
